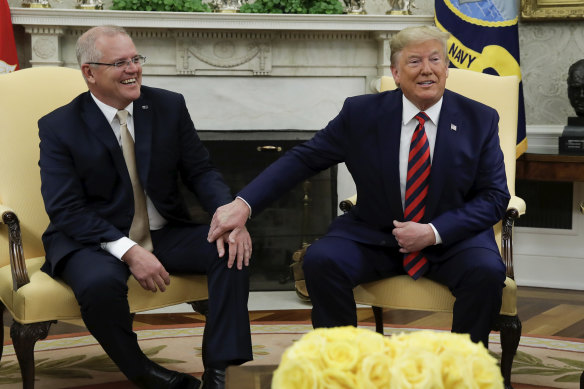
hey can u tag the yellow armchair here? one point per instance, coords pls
(34, 299)
(402, 292)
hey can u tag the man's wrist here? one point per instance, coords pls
(246, 203)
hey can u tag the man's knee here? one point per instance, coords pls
(101, 289)
(317, 257)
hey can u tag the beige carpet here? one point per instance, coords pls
(76, 361)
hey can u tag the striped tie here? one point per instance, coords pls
(415, 263)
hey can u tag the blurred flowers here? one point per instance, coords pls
(356, 358)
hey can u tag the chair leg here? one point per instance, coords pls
(510, 328)
(2, 332)
(582, 381)
(24, 337)
(201, 306)
(378, 314)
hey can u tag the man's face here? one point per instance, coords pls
(421, 73)
(116, 87)
(576, 90)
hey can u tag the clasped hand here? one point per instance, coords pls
(412, 236)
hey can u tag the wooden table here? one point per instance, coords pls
(249, 377)
(550, 167)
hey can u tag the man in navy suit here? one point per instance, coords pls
(89, 197)
(465, 192)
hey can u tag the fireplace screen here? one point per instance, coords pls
(297, 218)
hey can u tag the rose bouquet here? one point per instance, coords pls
(355, 358)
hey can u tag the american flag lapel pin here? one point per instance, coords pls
(453, 127)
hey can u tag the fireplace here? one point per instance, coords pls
(299, 217)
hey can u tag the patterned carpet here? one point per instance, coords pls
(76, 361)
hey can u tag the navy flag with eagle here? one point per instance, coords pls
(484, 37)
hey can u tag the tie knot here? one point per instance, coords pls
(422, 117)
(122, 116)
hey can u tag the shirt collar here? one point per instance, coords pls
(410, 111)
(110, 112)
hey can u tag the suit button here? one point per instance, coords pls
(383, 243)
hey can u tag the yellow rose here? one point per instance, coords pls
(338, 379)
(374, 372)
(456, 373)
(307, 348)
(369, 342)
(296, 374)
(485, 372)
(341, 354)
(416, 368)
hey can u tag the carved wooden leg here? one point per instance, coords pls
(201, 306)
(24, 337)
(582, 381)
(510, 327)
(2, 332)
(378, 314)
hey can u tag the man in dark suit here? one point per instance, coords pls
(96, 199)
(430, 181)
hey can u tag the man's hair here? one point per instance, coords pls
(85, 48)
(415, 35)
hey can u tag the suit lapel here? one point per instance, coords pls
(143, 120)
(389, 131)
(98, 125)
(445, 136)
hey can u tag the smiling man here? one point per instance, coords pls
(430, 181)
(110, 163)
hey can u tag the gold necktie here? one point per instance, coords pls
(140, 229)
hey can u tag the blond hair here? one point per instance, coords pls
(415, 35)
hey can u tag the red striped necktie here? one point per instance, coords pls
(415, 263)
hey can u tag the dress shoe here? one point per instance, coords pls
(213, 379)
(157, 377)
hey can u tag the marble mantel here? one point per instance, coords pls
(227, 44)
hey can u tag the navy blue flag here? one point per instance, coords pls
(484, 38)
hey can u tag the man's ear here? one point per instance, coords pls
(395, 75)
(87, 72)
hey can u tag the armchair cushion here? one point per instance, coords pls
(45, 298)
(427, 295)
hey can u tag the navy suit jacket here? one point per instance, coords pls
(85, 183)
(467, 191)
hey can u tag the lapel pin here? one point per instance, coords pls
(453, 127)
(144, 107)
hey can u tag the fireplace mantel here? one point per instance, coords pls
(213, 21)
(221, 44)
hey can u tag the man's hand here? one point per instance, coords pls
(412, 236)
(240, 247)
(146, 268)
(227, 218)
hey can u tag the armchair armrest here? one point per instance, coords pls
(348, 203)
(515, 209)
(17, 263)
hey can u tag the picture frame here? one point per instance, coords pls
(552, 10)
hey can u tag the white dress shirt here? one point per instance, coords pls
(119, 247)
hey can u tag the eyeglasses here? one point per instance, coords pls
(137, 60)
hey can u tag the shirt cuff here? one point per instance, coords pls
(436, 234)
(118, 247)
(246, 203)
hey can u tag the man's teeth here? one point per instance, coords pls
(129, 81)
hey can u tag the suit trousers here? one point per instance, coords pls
(99, 282)
(333, 266)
